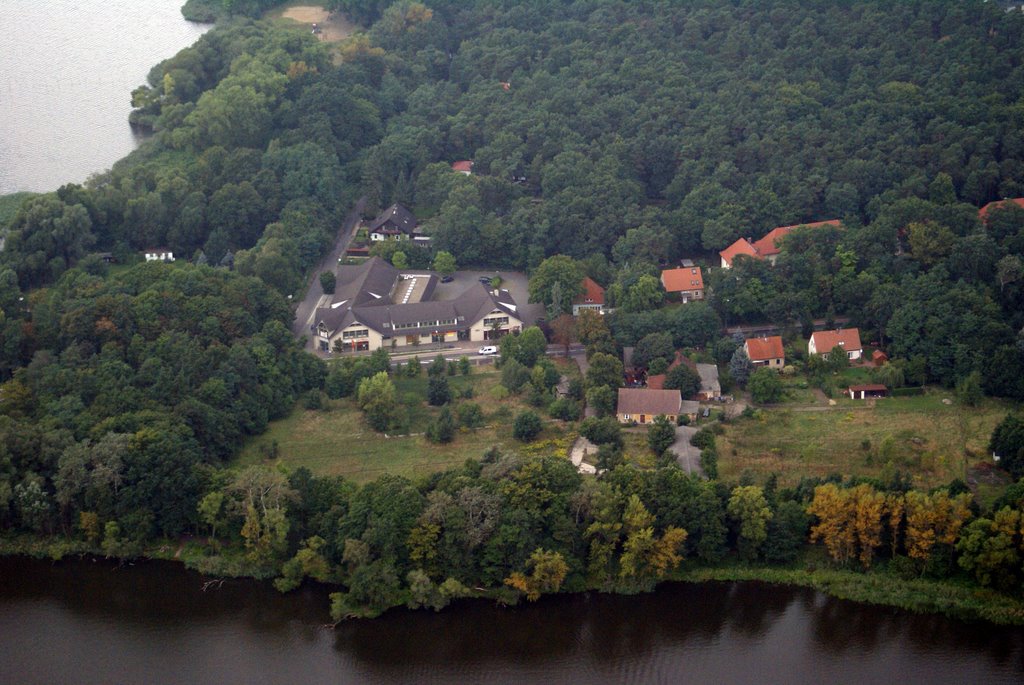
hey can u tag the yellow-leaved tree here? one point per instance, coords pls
(546, 569)
(868, 509)
(834, 527)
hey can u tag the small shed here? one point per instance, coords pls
(878, 357)
(867, 392)
(690, 408)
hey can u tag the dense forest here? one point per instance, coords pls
(623, 135)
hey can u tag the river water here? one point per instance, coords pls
(93, 622)
(67, 70)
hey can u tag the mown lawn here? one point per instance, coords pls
(337, 441)
(933, 441)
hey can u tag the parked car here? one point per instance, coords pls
(488, 349)
(447, 279)
(486, 280)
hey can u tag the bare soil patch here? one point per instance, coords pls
(333, 25)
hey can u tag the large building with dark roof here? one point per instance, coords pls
(376, 305)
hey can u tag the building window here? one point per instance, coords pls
(357, 333)
(496, 321)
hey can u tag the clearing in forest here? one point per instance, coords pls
(333, 26)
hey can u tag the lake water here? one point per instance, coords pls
(67, 70)
(92, 622)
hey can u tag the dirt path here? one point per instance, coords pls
(580, 449)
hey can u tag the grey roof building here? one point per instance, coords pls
(709, 385)
(375, 304)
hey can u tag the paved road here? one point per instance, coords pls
(772, 329)
(305, 309)
(687, 455)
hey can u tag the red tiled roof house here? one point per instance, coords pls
(686, 282)
(999, 204)
(591, 298)
(765, 351)
(767, 247)
(823, 342)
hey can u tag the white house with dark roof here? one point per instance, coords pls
(376, 305)
(394, 223)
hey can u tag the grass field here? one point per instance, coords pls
(933, 441)
(337, 441)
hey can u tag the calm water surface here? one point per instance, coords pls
(67, 70)
(91, 622)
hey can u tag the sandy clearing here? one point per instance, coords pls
(333, 26)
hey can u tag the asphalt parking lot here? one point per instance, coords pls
(514, 281)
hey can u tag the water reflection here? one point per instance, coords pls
(120, 624)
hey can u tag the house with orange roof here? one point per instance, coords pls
(767, 247)
(740, 247)
(823, 342)
(999, 204)
(591, 298)
(464, 166)
(686, 282)
(766, 351)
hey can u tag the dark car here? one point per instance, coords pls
(486, 280)
(447, 279)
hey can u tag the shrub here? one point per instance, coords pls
(438, 391)
(660, 434)
(604, 431)
(658, 366)
(470, 415)
(526, 426)
(765, 386)
(703, 439)
(514, 375)
(576, 389)
(328, 281)
(442, 429)
(438, 367)
(564, 409)
(601, 399)
(709, 462)
(313, 399)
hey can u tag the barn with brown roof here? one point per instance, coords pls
(642, 405)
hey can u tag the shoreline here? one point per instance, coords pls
(922, 596)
